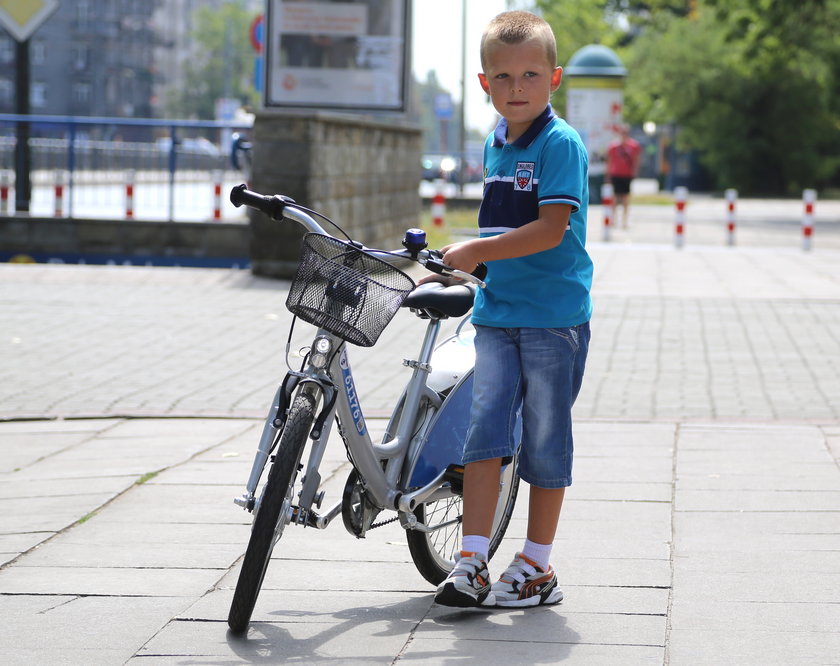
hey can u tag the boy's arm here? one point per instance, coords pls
(542, 234)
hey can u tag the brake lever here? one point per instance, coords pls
(435, 265)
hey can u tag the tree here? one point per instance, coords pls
(753, 85)
(577, 23)
(224, 66)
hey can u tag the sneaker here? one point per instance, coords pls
(524, 583)
(468, 584)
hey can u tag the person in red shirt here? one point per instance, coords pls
(622, 165)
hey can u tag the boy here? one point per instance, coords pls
(532, 320)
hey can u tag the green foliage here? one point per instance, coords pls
(753, 86)
(223, 66)
(576, 23)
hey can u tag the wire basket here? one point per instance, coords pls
(345, 290)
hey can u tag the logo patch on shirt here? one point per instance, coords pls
(523, 180)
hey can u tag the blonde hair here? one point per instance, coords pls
(517, 27)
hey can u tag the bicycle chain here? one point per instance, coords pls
(384, 522)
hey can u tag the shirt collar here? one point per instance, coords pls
(530, 134)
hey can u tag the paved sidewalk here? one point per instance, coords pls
(703, 526)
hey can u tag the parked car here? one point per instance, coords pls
(198, 146)
(448, 168)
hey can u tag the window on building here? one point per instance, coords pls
(83, 13)
(7, 91)
(7, 49)
(80, 57)
(38, 95)
(38, 52)
(81, 93)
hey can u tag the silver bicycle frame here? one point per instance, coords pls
(380, 481)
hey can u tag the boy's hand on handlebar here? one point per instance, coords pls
(462, 256)
(446, 280)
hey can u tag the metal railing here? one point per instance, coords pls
(119, 167)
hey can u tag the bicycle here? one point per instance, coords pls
(350, 293)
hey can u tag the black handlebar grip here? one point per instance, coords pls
(272, 206)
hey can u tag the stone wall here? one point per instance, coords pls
(361, 172)
(124, 241)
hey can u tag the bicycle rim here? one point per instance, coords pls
(434, 552)
(273, 513)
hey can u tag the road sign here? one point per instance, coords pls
(23, 17)
(443, 106)
(256, 32)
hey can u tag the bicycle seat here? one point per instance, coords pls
(440, 301)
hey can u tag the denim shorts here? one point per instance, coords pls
(537, 371)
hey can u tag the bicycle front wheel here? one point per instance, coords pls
(434, 552)
(272, 514)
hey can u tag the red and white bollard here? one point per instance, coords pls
(438, 205)
(680, 198)
(129, 194)
(4, 191)
(217, 195)
(608, 200)
(59, 193)
(809, 198)
(731, 199)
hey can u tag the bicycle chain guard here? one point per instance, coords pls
(357, 512)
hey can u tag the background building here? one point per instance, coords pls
(105, 58)
(91, 57)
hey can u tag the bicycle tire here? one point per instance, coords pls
(269, 522)
(434, 552)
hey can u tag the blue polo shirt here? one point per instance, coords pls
(546, 165)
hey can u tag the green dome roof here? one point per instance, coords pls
(595, 60)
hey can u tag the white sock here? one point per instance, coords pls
(474, 543)
(538, 552)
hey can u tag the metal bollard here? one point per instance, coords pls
(217, 195)
(680, 197)
(59, 193)
(438, 204)
(731, 199)
(4, 191)
(809, 198)
(129, 194)
(607, 197)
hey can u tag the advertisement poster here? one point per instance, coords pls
(593, 107)
(340, 55)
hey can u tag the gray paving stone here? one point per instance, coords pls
(431, 651)
(47, 514)
(712, 380)
(546, 625)
(80, 623)
(756, 646)
(354, 641)
(100, 581)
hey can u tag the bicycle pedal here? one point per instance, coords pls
(455, 475)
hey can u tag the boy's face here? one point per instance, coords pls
(519, 80)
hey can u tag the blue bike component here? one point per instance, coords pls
(415, 240)
(352, 396)
(445, 444)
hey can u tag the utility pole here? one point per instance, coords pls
(23, 184)
(462, 147)
(20, 23)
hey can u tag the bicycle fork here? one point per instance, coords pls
(273, 427)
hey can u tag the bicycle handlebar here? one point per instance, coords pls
(279, 206)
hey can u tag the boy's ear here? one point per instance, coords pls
(556, 78)
(482, 79)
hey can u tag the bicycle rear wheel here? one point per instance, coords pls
(273, 511)
(434, 552)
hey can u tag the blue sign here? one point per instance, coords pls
(443, 106)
